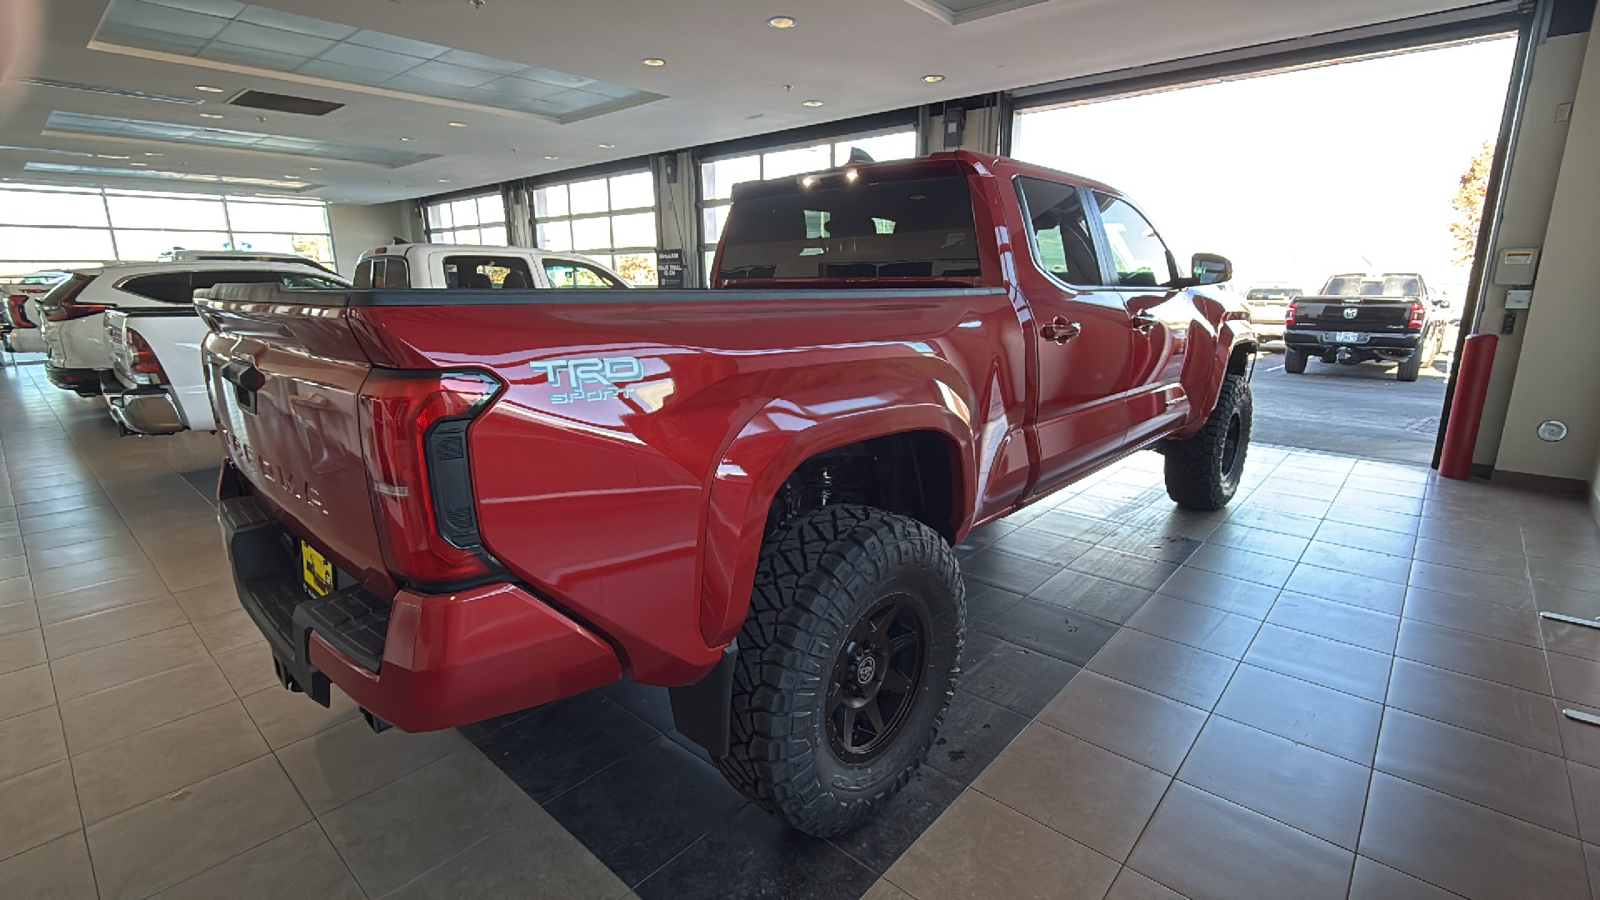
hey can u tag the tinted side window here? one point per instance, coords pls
(363, 277)
(1137, 253)
(396, 274)
(297, 282)
(564, 274)
(1060, 229)
(168, 287)
(202, 280)
(487, 272)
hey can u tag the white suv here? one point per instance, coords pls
(74, 310)
(20, 315)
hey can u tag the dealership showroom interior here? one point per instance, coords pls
(869, 450)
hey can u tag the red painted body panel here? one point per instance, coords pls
(464, 657)
(630, 522)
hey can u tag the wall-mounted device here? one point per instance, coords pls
(1516, 267)
(955, 123)
(1521, 298)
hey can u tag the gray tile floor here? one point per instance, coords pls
(1339, 687)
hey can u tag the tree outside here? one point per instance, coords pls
(1468, 204)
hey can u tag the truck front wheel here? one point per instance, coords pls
(1203, 471)
(845, 666)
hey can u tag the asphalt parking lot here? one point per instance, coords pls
(1360, 410)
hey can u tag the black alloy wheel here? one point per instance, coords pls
(875, 679)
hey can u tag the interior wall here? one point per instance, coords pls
(357, 229)
(1559, 375)
(1541, 141)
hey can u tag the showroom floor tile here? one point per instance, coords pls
(1338, 687)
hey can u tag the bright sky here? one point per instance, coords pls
(1298, 175)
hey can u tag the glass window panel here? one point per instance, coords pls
(495, 235)
(468, 236)
(710, 258)
(882, 148)
(46, 208)
(550, 202)
(491, 209)
(264, 242)
(636, 230)
(1137, 253)
(718, 178)
(638, 268)
(150, 243)
(282, 217)
(591, 234)
(589, 197)
(56, 243)
(713, 218)
(165, 212)
(555, 236)
(465, 212)
(636, 191)
(436, 216)
(783, 163)
(317, 246)
(603, 259)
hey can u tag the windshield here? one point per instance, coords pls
(841, 230)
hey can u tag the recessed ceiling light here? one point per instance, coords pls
(208, 89)
(313, 169)
(458, 124)
(653, 61)
(408, 139)
(782, 22)
(933, 79)
(607, 146)
(110, 156)
(811, 103)
(139, 164)
(552, 157)
(444, 181)
(152, 154)
(209, 116)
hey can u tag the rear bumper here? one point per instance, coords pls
(146, 411)
(422, 661)
(25, 340)
(1318, 341)
(82, 381)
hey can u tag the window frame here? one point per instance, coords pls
(546, 262)
(1091, 219)
(1108, 269)
(609, 214)
(504, 223)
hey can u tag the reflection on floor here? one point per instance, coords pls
(1338, 687)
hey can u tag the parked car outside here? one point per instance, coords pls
(1267, 304)
(478, 267)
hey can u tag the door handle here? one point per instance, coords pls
(1059, 330)
(1143, 322)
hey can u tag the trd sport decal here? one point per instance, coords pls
(610, 373)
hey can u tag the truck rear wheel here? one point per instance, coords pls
(1203, 471)
(1410, 367)
(845, 667)
(1294, 361)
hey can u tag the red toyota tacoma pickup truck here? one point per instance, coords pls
(459, 504)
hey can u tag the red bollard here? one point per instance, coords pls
(1466, 411)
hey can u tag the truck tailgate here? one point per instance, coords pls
(1382, 314)
(286, 382)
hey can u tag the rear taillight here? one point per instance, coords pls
(66, 307)
(1418, 314)
(146, 367)
(19, 311)
(414, 434)
(1288, 314)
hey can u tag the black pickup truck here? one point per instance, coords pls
(1359, 318)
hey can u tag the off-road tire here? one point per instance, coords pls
(1294, 361)
(1410, 367)
(1203, 471)
(817, 580)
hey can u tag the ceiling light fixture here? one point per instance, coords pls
(151, 154)
(210, 89)
(781, 22)
(653, 61)
(933, 79)
(313, 169)
(607, 146)
(110, 156)
(444, 181)
(408, 139)
(138, 164)
(552, 157)
(210, 116)
(458, 124)
(812, 103)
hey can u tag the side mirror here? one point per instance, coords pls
(1210, 268)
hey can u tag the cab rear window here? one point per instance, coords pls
(487, 273)
(831, 227)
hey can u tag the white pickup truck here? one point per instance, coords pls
(155, 350)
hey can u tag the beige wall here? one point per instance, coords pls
(357, 229)
(1525, 216)
(1558, 376)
